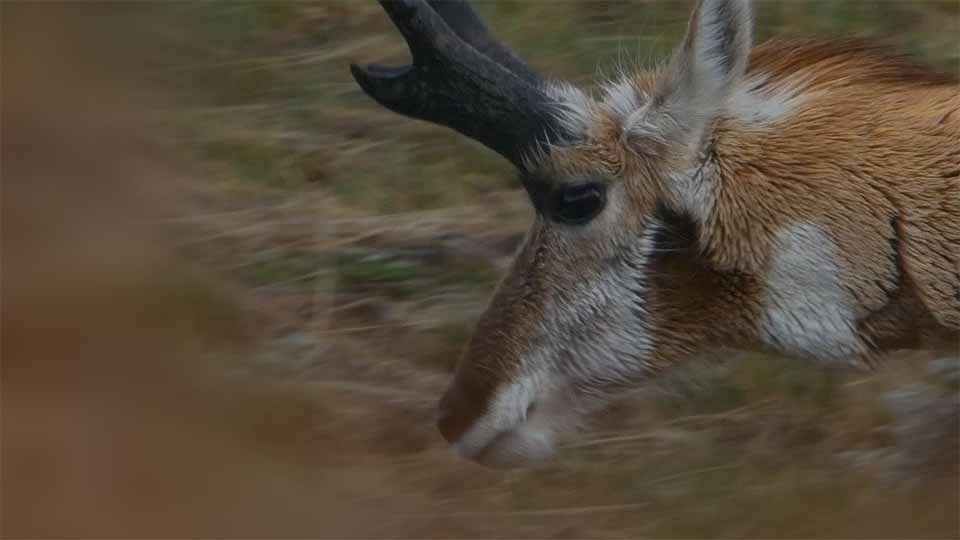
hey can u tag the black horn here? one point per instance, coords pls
(461, 78)
(461, 17)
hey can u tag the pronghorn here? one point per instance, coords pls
(800, 196)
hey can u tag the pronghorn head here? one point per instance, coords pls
(610, 285)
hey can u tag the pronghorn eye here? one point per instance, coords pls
(578, 203)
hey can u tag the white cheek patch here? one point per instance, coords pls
(806, 310)
(602, 323)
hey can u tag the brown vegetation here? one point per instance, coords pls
(250, 340)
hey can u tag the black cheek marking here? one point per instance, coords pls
(678, 232)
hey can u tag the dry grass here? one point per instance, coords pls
(230, 306)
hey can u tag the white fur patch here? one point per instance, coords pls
(601, 322)
(623, 97)
(574, 109)
(506, 410)
(807, 311)
(755, 107)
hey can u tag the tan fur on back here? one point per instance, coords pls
(872, 155)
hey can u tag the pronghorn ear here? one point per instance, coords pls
(711, 61)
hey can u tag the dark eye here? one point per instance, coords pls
(578, 203)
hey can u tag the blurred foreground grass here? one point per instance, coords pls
(234, 288)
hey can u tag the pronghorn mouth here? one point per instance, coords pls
(518, 447)
(484, 454)
(487, 449)
(527, 441)
(498, 437)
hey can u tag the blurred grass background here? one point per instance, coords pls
(234, 288)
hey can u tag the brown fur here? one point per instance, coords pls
(870, 155)
(873, 160)
(802, 195)
(842, 62)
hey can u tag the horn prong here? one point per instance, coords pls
(460, 78)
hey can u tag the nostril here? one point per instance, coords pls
(530, 408)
